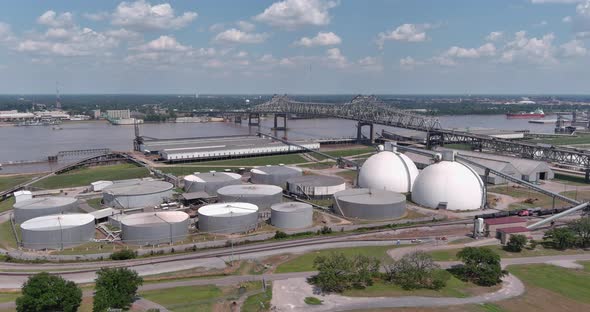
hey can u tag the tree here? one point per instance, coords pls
(480, 266)
(338, 273)
(115, 288)
(561, 238)
(123, 254)
(516, 243)
(45, 292)
(581, 228)
(416, 270)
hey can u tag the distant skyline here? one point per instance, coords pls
(295, 47)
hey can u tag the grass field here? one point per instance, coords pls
(582, 196)
(8, 297)
(85, 176)
(539, 200)
(304, 263)
(6, 235)
(258, 302)
(6, 204)
(186, 170)
(569, 179)
(255, 161)
(451, 254)
(8, 182)
(346, 152)
(583, 139)
(349, 175)
(95, 203)
(185, 299)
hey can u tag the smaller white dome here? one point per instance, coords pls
(450, 182)
(390, 171)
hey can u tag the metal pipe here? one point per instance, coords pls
(557, 216)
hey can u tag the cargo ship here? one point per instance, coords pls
(538, 113)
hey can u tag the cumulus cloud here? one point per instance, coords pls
(567, 19)
(245, 26)
(409, 62)
(573, 48)
(291, 14)
(494, 36)
(74, 41)
(335, 56)
(5, 32)
(52, 19)
(537, 50)
(487, 49)
(234, 35)
(321, 39)
(141, 15)
(555, 1)
(163, 43)
(99, 16)
(405, 32)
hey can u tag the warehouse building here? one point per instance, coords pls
(491, 226)
(228, 218)
(43, 206)
(152, 228)
(139, 194)
(57, 231)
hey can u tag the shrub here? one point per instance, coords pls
(313, 301)
(280, 235)
(481, 266)
(561, 238)
(516, 243)
(414, 271)
(124, 254)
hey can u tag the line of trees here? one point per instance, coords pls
(574, 234)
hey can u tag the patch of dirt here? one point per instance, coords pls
(538, 299)
(274, 261)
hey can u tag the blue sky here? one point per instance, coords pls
(296, 46)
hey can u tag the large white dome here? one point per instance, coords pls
(449, 181)
(391, 171)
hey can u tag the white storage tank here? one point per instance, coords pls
(152, 228)
(137, 194)
(228, 218)
(274, 175)
(210, 182)
(370, 204)
(315, 186)
(43, 206)
(388, 170)
(22, 195)
(57, 231)
(449, 185)
(291, 215)
(261, 195)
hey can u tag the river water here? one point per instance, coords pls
(36, 143)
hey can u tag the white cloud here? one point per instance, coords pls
(74, 41)
(409, 62)
(5, 32)
(234, 35)
(583, 9)
(370, 63)
(241, 54)
(541, 24)
(536, 50)
(246, 26)
(97, 17)
(555, 1)
(567, 19)
(52, 19)
(122, 34)
(573, 48)
(335, 56)
(494, 36)
(141, 15)
(487, 49)
(163, 43)
(291, 14)
(217, 27)
(405, 32)
(321, 39)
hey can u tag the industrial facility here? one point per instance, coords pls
(291, 215)
(274, 175)
(315, 186)
(152, 228)
(43, 206)
(137, 194)
(370, 204)
(261, 195)
(228, 218)
(449, 185)
(388, 170)
(210, 182)
(57, 231)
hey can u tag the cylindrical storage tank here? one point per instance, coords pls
(388, 170)
(370, 204)
(228, 218)
(274, 175)
(210, 182)
(315, 186)
(137, 195)
(152, 228)
(291, 215)
(43, 206)
(449, 185)
(57, 231)
(261, 195)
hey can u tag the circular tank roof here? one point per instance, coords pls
(387, 170)
(276, 170)
(250, 189)
(228, 209)
(364, 196)
(291, 207)
(139, 188)
(150, 218)
(316, 180)
(44, 202)
(213, 177)
(450, 182)
(55, 222)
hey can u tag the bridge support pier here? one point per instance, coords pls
(254, 119)
(434, 138)
(359, 131)
(587, 175)
(238, 119)
(277, 116)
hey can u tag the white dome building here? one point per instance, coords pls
(449, 185)
(388, 170)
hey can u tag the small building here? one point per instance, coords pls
(491, 226)
(19, 196)
(504, 234)
(103, 215)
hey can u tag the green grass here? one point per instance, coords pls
(463, 147)
(6, 204)
(11, 181)
(320, 165)
(569, 179)
(312, 301)
(451, 254)
(95, 203)
(349, 175)
(586, 265)
(186, 170)
(574, 284)
(185, 299)
(85, 176)
(6, 235)
(540, 200)
(583, 139)
(581, 196)
(8, 297)
(255, 161)
(490, 307)
(304, 263)
(258, 302)
(350, 152)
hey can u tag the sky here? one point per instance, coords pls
(296, 46)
